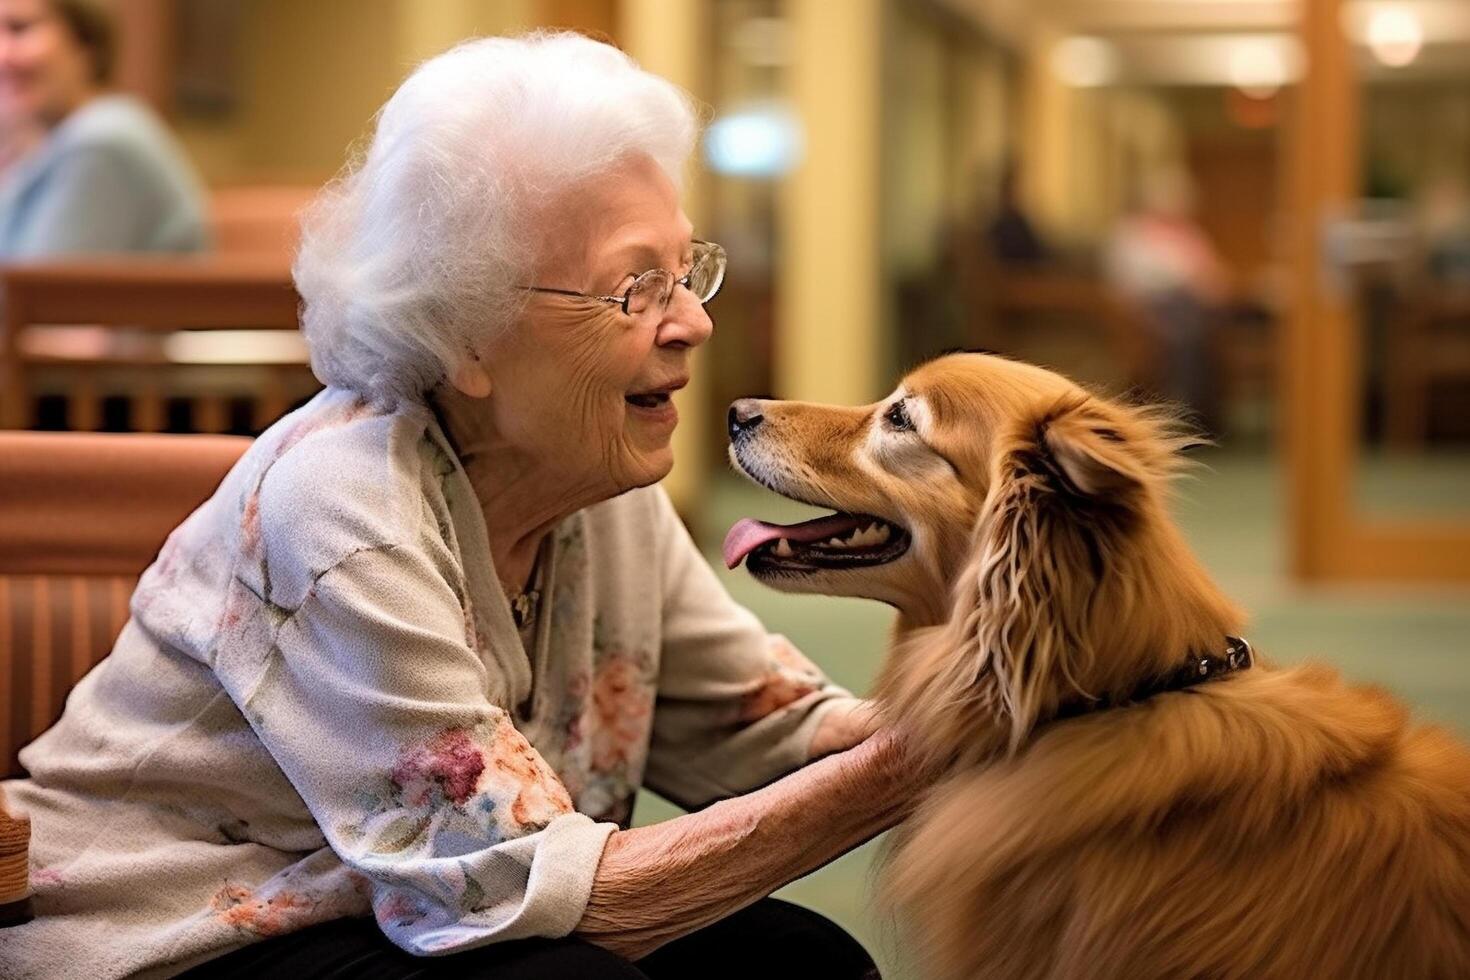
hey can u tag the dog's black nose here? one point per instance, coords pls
(745, 415)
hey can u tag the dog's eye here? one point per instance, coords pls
(898, 419)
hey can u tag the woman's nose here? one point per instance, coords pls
(686, 322)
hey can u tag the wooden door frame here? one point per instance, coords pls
(1329, 538)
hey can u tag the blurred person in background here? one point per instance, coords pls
(1444, 222)
(391, 692)
(1165, 266)
(19, 134)
(1010, 234)
(91, 171)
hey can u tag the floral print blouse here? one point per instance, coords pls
(321, 707)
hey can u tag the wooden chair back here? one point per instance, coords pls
(120, 315)
(1426, 344)
(81, 516)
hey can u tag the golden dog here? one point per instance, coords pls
(1117, 796)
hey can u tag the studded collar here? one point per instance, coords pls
(1199, 668)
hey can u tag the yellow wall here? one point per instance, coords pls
(829, 344)
(313, 74)
(984, 131)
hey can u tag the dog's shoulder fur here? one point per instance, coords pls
(1193, 835)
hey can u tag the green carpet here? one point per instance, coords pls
(1416, 642)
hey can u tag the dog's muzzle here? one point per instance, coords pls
(744, 418)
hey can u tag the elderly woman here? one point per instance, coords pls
(84, 170)
(416, 655)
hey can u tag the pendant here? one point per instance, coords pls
(523, 607)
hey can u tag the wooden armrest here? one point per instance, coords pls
(15, 884)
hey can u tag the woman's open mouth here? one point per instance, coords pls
(652, 400)
(657, 404)
(836, 542)
(653, 408)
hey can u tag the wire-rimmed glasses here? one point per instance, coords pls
(653, 289)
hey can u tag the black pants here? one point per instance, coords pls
(770, 940)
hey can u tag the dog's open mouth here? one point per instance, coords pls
(836, 542)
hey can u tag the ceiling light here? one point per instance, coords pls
(1395, 36)
(1084, 62)
(1257, 68)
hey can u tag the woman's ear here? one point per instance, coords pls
(471, 379)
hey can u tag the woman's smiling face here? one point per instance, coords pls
(578, 384)
(44, 71)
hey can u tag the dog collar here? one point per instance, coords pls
(1196, 670)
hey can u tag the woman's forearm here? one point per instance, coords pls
(660, 882)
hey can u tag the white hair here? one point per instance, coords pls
(412, 256)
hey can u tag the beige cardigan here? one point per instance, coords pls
(321, 708)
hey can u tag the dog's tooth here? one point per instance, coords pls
(835, 542)
(881, 535)
(783, 548)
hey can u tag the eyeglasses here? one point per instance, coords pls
(654, 288)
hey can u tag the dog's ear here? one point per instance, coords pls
(1065, 489)
(1091, 457)
(1091, 450)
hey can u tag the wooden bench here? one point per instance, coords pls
(144, 318)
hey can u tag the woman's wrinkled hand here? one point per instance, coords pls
(845, 726)
(662, 881)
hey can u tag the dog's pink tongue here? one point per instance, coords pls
(749, 534)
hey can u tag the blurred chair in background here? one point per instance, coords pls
(104, 174)
(81, 516)
(1426, 339)
(1047, 298)
(998, 285)
(1049, 310)
(1427, 343)
(216, 334)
